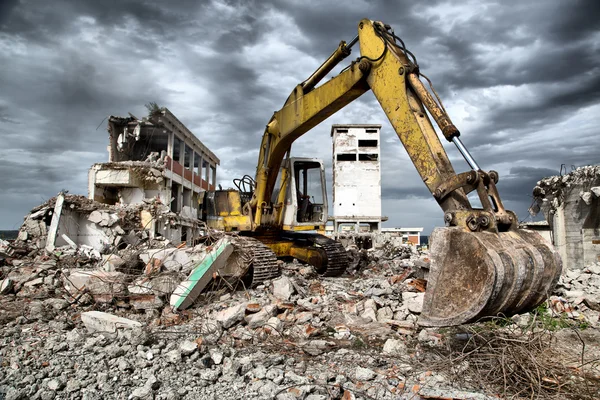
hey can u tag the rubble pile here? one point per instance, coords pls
(86, 325)
(550, 192)
(578, 295)
(115, 259)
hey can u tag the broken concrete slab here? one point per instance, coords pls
(283, 288)
(394, 346)
(260, 318)
(230, 316)
(51, 239)
(97, 321)
(188, 291)
(413, 301)
(102, 285)
(442, 394)
(103, 218)
(586, 197)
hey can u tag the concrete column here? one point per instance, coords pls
(206, 173)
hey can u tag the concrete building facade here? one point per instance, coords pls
(404, 235)
(356, 178)
(156, 158)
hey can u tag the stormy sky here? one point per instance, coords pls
(520, 79)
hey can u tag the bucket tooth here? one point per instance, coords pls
(476, 275)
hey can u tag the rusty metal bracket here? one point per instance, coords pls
(466, 180)
(473, 220)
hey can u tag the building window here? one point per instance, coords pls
(187, 162)
(151, 140)
(368, 157)
(205, 170)
(197, 169)
(177, 149)
(346, 157)
(367, 142)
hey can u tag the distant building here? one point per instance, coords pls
(156, 158)
(407, 235)
(356, 178)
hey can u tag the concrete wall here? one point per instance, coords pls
(83, 232)
(575, 227)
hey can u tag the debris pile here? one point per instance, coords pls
(126, 320)
(550, 193)
(93, 252)
(578, 295)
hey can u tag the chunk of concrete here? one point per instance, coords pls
(364, 374)
(283, 288)
(232, 315)
(260, 318)
(52, 232)
(102, 285)
(595, 191)
(370, 312)
(413, 301)
(394, 346)
(188, 291)
(187, 347)
(97, 321)
(586, 197)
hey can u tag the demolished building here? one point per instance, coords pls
(156, 158)
(571, 205)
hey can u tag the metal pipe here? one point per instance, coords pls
(352, 42)
(334, 59)
(465, 153)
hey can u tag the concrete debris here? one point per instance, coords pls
(394, 346)
(283, 288)
(97, 321)
(215, 259)
(364, 374)
(297, 336)
(53, 230)
(231, 315)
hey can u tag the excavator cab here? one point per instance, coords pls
(306, 198)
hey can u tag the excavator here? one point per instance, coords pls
(482, 263)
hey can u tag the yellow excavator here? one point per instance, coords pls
(482, 264)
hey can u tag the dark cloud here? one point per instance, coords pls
(521, 77)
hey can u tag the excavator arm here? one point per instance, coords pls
(482, 264)
(394, 79)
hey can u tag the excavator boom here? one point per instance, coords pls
(482, 263)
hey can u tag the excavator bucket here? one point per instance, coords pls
(481, 274)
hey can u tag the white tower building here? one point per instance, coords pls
(356, 178)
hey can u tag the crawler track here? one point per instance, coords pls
(337, 258)
(262, 261)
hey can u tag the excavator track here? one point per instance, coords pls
(332, 260)
(337, 257)
(262, 261)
